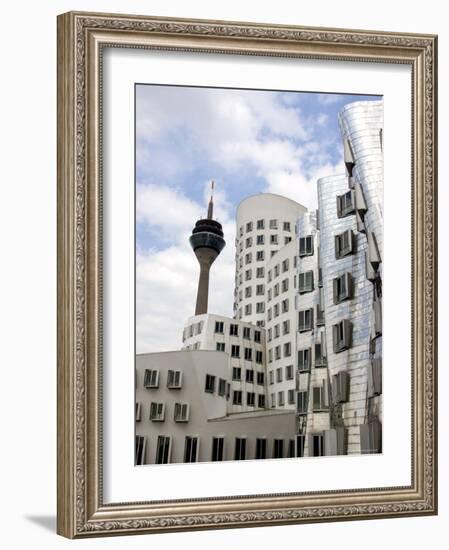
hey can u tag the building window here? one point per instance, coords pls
(248, 242)
(301, 406)
(340, 387)
(234, 330)
(281, 401)
(289, 372)
(291, 397)
(344, 244)
(284, 285)
(273, 400)
(276, 331)
(221, 346)
(138, 412)
(306, 246)
(249, 227)
(240, 448)
(287, 240)
(271, 375)
(217, 449)
(248, 309)
(247, 333)
(304, 360)
(163, 449)
(345, 204)
(287, 226)
(305, 282)
(151, 378)
(284, 306)
(259, 290)
(273, 224)
(248, 275)
(221, 386)
(274, 239)
(285, 264)
(260, 224)
(260, 378)
(260, 272)
(300, 444)
(249, 376)
(305, 320)
(320, 357)
(270, 355)
(248, 258)
(261, 448)
(342, 288)
(276, 290)
(285, 327)
(277, 352)
(287, 349)
(140, 450)
(278, 448)
(174, 379)
(276, 310)
(261, 401)
(219, 327)
(320, 318)
(237, 397)
(248, 292)
(270, 276)
(257, 336)
(342, 335)
(375, 377)
(241, 231)
(371, 437)
(236, 373)
(260, 307)
(210, 383)
(260, 256)
(316, 445)
(182, 412)
(235, 351)
(157, 412)
(260, 239)
(276, 270)
(279, 374)
(250, 399)
(319, 398)
(190, 449)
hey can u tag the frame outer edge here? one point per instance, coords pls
(66, 287)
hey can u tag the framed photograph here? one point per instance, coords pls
(247, 249)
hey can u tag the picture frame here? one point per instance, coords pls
(82, 40)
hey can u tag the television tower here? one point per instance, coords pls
(207, 242)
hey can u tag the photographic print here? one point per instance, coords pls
(259, 232)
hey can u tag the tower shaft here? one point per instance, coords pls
(205, 257)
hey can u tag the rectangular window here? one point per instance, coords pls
(270, 355)
(300, 444)
(375, 377)
(284, 305)
(281, 400)
(260, 239)
(291, 397)
(344, 244)
(316, 445)
(140, 450)
(305, 320)
(289, 372)
(279, 374)
(320, 357)
(248, 292)
(248, 309)
(221, 346)
(163, 450)
(287, 349)
(320, 318)
(261, 401)
(345, 204)
(270, 276)
(306, 246)
(249, 242)
(276, 270)
(285, 264)
(277, 352)
(236, 373)
(342, 335)
(304, 360)
(219, 327)
(241, 231)
(240, 448)
(235, 351)
(217, 449)
(274, 239)
(371, 437)
(287, 226)
(305, 281)
(342, 288)
(260, 290)
(278, 448)
(210, 383)
(237, 397)
(273, 400)
(247, 333)
(301, 406)
(284, 285)
(248, 275)
(276, 331)
(271, 375)
(249, 376)
(276, 310)
(157, 412)
(257, 336)
(287, 240)
(319, 398)
(174, 379)
(248, 258)
(261, 448)
(260, 224)
(248, 354)
(285, 327)
(249, 227)
(291, 448)
(234, 330)
(138, 412)
(260, 378)
(190, 449)
(250, 399)
(260, 307)
(151, 378)
(260, 256)
(221, 386)
(181, 412)
(260, 272)
(273, 224)
(340, 387)
(276, 290)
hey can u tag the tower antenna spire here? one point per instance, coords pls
(210, 209)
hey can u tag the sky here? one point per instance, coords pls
(248, 142)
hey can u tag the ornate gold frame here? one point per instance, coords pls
(81, 37)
